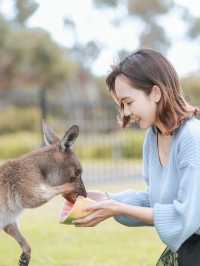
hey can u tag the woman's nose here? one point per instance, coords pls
(127, 111)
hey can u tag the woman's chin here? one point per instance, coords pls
(143, 124)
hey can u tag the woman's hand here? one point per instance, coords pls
(97, 195)
(99, 212)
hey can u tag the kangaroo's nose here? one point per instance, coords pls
(79, 190)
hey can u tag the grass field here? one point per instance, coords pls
(108, 244)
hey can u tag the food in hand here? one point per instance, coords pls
(72, 211)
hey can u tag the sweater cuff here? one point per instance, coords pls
(130, 197)
(164, 221)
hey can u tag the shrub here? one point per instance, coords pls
(14, 145)
(19, 119)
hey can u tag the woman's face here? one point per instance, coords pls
(136, 102)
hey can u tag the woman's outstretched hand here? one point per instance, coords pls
(100, 211)
(97, 195)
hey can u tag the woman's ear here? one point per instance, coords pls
(155, 94)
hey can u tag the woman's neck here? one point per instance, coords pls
(161, 130)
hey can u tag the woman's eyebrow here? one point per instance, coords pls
(125, 99)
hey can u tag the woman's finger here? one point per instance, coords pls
(97, 195)
(84, 225)
(79, 221)
(85, 219)
(89, 224)
(94, 207)
(91, 208)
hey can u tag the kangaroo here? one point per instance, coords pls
(35, 178)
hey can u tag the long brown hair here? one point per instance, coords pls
(146, 68)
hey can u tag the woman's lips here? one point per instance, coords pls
(135, 118)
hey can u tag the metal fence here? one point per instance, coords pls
(97, 122)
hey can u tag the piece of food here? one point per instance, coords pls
(74, 211)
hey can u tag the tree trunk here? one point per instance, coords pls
(43, 109)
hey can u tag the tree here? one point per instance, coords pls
(30, 58)
(24, 9)
(148, 12)
(84, 54)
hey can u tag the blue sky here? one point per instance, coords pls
(93, 24)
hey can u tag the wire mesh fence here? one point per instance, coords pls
(106, 152)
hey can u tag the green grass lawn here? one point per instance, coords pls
(108, 244)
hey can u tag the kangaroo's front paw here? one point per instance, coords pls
(24, 259)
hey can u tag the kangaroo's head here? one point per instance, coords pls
(63, 165)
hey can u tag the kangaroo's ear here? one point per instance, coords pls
(69, 137)
(49, 135)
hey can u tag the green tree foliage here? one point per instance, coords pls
(30, 58)
(191, 87)
(194, 30)
(24, 9)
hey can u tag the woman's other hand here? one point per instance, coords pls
(100, 211)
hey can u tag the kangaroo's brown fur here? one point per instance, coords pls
(35, 178)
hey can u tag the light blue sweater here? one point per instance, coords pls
(173, 191)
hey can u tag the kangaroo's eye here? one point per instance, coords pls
(78, 172)
(72, 178)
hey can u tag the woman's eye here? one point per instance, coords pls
(129, 103)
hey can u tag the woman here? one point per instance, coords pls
(147, 89)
